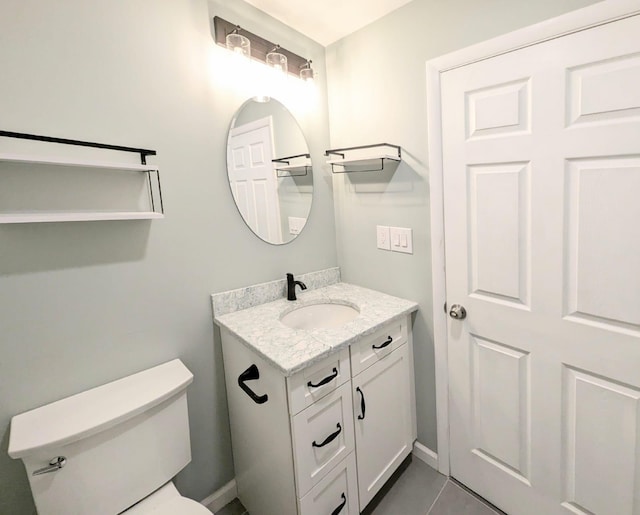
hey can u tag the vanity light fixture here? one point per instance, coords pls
(276, 60)
(306, 72)
(238, 43)
(230, 35)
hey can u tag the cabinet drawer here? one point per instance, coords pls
(316, 381)
(336, 493)
(371, 348)
(322, 437)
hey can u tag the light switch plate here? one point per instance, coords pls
(401, 239)
(382, 236)
(296, 224)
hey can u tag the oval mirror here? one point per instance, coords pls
(269, 169)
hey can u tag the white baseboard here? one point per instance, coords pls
(425, 454)
(221, 497)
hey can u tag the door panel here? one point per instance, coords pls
(604, 91)
(601, 430)
(498, 218)
(541, 152)
(601, 194)
(500, 406)
(252, 178)
(502, 109)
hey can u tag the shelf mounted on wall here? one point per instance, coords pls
(155, 199)
(292, 166)
(352, 159)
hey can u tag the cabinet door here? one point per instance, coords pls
(337, 493)
(383, 420)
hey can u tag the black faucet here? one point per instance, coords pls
(291, 287)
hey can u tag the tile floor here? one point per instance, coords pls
(416, 490)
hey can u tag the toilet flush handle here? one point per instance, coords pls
(55, 464)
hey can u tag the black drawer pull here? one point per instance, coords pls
(333, 375)
(383, 345)
(362, 404)
(329, 438)
(339, 508)
(250, 374)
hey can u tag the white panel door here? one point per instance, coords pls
(541, 154)
(253, 179)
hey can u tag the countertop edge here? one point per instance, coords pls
(287, 372)
(328, 351)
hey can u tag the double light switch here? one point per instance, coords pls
(397, 239)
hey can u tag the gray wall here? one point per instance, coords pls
(377, 93)
(85, 303)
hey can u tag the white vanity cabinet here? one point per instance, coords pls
(300, 443)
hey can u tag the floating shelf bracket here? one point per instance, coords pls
(285, 168)
(363, 162)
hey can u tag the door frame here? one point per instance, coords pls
(597, 14)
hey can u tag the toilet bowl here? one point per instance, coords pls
(167, 501)
(112, 449)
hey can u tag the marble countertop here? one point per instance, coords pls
(291, 350)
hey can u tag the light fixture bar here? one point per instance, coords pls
(260, 47)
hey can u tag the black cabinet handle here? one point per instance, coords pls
(362, 404)
(329, 438)
(383, 345)
(250, 374)
(339, 508)
(333, 375)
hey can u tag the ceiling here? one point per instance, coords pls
(327, 21)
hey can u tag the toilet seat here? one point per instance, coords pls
(167, 501)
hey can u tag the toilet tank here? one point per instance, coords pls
(121, 441)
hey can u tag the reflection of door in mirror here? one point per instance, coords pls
(270, 170)
(253, 182)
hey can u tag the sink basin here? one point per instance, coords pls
(319, 316)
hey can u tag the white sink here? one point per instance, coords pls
(319, 316)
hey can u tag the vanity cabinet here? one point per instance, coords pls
(324, 440)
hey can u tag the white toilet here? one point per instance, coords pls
(111, 449)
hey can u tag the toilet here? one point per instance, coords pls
(112, 449)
